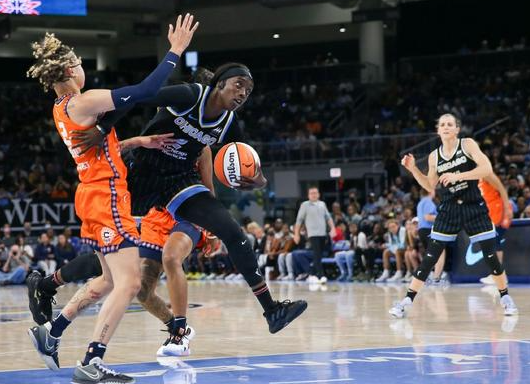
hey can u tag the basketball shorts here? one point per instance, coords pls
(152, 189)
(157, 226)
(105, 212)
(453, 217)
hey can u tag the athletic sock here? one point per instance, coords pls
(95, 349)
(176, 323)
(411, 294)
(59, 324)
(503, 292)
(50, 283)
(264, 297)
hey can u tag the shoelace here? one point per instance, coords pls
(174, 338)
(106, 370)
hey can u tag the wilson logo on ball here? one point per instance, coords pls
(233, 161)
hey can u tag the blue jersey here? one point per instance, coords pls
(425, 207)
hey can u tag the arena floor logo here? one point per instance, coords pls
(474, 362)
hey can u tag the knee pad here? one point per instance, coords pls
(434, 250)
(490, 256)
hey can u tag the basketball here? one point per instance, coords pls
(234, 160)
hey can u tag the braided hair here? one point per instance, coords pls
(53, 58)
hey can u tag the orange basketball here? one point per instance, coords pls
(234, 160)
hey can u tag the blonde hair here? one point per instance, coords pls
(53, 58)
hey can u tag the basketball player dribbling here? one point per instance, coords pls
(200, 116)
(457, 165)
(102, 200)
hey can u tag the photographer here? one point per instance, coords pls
(16, 267)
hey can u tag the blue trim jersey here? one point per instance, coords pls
(191, 130)
(464, 191)
(156, 177)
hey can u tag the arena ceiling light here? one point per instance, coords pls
(275, 35)
(342, 29)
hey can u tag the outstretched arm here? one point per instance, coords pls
(94, 102)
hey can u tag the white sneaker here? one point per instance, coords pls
(281, 277)
(239, 277)
(312, 279)
(289, 277)
(397, 277)
(398, 310)
(384, 276)
(180, 348)
(230, 276)
(509, 306)
(488, 280)
(323, 280)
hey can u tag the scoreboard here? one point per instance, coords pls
(43, 7)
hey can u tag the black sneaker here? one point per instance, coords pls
(96, 372)
(40, 303)
(284, 312)
(46, 345)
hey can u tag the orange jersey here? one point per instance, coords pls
(493, 200)
(89, 167)
(102, 200)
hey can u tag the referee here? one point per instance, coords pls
(315, 215)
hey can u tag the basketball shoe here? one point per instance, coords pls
(96, 372)
(510, 309)
(176, 345)
(398, 310)
(284, 312)
(40, 302)
(46, 345)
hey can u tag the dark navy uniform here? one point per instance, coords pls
(167, 177)
(462, 205)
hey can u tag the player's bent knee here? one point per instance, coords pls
(144, 293)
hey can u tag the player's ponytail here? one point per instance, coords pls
(202, 76)
(53, 58)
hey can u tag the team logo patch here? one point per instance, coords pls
(107, 235)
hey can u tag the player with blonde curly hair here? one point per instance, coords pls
(102, 200)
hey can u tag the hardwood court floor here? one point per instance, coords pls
(229, 323)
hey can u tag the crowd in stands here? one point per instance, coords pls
(371, 230)
(29, 250)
